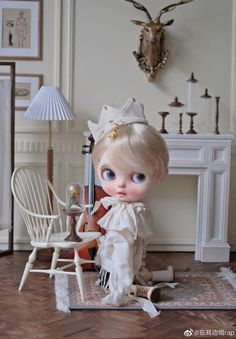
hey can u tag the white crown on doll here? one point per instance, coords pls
(111, 118)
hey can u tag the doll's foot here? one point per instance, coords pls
(150, 293)
(164, 276)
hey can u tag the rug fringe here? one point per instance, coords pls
(62, 293)
(227, 274)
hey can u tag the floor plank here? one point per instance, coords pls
(32, 313)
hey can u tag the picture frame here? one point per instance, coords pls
(26, 87)
(21, 29)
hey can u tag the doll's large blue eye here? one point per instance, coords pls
(138, 178)
(108, 174)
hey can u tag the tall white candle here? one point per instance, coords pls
(192, 94)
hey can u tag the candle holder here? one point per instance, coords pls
(206, 113)
(163, 116)
(73, 236)
(191, 130)
(217, 116)
(176, 107)
(180, 123)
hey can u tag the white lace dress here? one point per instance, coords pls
(121, 249)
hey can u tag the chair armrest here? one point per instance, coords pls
(43, 216)
(62, 203)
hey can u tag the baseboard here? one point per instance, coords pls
(24, 245)
(21, 244)
(170, 248)
(165, 245)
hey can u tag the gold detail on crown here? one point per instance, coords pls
(114, 132)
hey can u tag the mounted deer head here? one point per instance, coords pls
(152, 55)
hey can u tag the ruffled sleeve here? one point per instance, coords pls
(133, 217)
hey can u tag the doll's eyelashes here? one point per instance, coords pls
(138, 178)
(108, 174)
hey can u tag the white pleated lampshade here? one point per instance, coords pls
(49, 104)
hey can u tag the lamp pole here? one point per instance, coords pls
(50, 165)
(50, 154)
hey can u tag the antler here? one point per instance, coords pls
(170, 8)
(142, 8)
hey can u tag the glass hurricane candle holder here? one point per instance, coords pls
(193, 91)
(74, 208)
(74, 197)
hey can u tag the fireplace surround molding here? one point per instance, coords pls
(208, 157)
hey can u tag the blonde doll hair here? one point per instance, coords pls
(137, 148)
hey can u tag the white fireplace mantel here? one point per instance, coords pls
(208, 157)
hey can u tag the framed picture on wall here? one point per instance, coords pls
(26, 87)
(21, 29)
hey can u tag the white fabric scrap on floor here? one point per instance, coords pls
(227, 274)
(62, 293)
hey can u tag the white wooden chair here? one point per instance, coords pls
(44, 224)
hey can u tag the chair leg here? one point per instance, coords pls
(79, 273)
(28, 267)
(55, 257)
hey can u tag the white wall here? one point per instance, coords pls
(88, 48)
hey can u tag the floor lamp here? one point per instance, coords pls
(49, 104)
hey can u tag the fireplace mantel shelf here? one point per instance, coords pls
(199, 136)
(208, 157)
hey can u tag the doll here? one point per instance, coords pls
(129, 156)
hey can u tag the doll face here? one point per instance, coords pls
(123, 185)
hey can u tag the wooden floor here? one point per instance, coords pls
(32, 313)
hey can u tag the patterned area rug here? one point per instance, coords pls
(195, 290)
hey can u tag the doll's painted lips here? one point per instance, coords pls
(122, 193)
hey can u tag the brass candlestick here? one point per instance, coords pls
(191, 130)
(176, 107)
(180, 123)
(217, 116)
(163, 116)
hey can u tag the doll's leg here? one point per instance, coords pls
(142, 276)
(103, 260)
(167, 275)
(122, 266)
(147, 277)
(116, 258)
